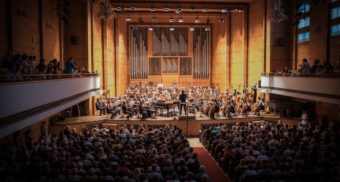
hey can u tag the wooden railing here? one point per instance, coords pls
(40, 77)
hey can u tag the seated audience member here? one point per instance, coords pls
(41, 67)
(305, 66)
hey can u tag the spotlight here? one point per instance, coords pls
(197, 19)
(224, 10)
(179, 10)
(119, 8)
(166, 9)
(180, 20)
(128, 19)
(172, 28)
(152, 9)
(192, 29)
(150, 28)
(207, 29)
(172, 20)
(154, 19)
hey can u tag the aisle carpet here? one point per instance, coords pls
(214, 171)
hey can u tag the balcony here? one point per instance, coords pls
(40, 96)
(320, 88)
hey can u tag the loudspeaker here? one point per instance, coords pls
(74, 40)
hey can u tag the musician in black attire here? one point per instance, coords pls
(255, 92)
(100, 106)
(182, 102)
(127, 110)
(215, 109)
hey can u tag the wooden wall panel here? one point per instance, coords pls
(3, 28)
(256, 41)
(220, 54)
(122, 56)
(50, 27)
(25, 27)
(76, 28)
(110, 56)
(97, 44)
(237, 49)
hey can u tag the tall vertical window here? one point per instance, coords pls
(304, 22)
(304, 8)
(335, 12)
(303, 37)
(335, 30)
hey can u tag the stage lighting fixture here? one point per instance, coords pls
(166, 9)
(172, 28)
(192, 29)
(179, 10)
(154, 19)
(128, 19)
(180, 20)
(224, 10)
(172, 20)
(197, 19)
(150, 28)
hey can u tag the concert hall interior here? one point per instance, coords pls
(169, 90)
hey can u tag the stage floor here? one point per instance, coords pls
(191, 127)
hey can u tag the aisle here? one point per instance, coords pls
(214, 171)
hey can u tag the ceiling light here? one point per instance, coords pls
(172, 20)
(180, 20)
(119, 8)
(150, 28)
(207, 29)
(192, 29)
(152, 9)
(179, 10)
(128, 18)
(205, 10)
(166, 9)
(172, 28)
(132, 8)
(154, 19)
(197, 19)
(224, 10)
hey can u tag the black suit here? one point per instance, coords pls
(182, 98)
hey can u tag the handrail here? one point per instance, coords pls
(299, 74)
(40, 77)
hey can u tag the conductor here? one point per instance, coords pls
(182, 102)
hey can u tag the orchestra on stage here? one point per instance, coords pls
(144, 101)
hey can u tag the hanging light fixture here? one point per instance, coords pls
(179, 10)
(224, 10)
(180, 20)
(172, 28)
(150, 28)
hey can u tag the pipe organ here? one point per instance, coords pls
(201, 53)
(164, 53)
(139, 53)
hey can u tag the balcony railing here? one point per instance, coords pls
(40, 77)
(317, 87)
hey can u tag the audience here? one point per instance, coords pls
(100, 154)
(18, 67)
(275, 152)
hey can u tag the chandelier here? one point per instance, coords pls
(106, 9)
(278, 14)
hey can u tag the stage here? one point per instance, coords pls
(191, 127)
